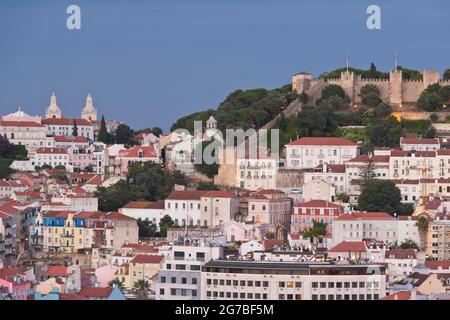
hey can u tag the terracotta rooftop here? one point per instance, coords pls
(349, 246)
(365, 216)
(146, 258)
(99, 292)
(322, 141)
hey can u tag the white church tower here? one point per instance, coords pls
(88, 112)
(53, 111)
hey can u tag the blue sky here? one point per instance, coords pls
(151, 62)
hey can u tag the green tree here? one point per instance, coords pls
(116, 282)
(316, 122)
(385, 133)
(60, 167)
(5, 146)
(333, 90)
(210, 170)
(429, 101)
(164, 225)
(207, 186)
(373, 73)
(146, 228)
(446, 75)
(383, 110)
(75, 128)
(367, 172)
(434, 117)
(444, 94)
(319, 229)
(157, 131)
(343, 197)
(103, 133)
(124, 134)
(408, 244)
(422, 225)
(88, 168)
(141, 289)
(382, 195)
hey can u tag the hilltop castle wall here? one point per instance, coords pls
(394, 90)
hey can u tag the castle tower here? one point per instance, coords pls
(301, 82)
(88, 112)
(53, 111)
(430, 77)
(395, 87)
(348, 84)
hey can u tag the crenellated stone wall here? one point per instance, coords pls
(394, 90)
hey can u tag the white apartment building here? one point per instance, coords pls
(357, 226)
(218, 207)
(269, 207)
(71, 141)
(311, 152)
(333, 174)
(268, 280)
(184, 207)
(145, 210)
(50, 156)
(419, 164)
(419, 144)
(180, 276)
(76, 202)
(400, 262)
(257, 172)
(354, 167)
(27, 133)
(64, 127)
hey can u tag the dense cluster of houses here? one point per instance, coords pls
(223, 243)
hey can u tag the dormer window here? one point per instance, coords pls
(140, 154)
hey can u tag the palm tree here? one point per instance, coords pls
(116, 282)
(422, 225)
(141, 288)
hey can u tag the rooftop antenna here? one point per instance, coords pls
(396, 61)
(348, 58)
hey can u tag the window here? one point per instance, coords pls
(173, 280)
(161, 291)
(173, 292)
(315, 284)
(281, 297)
(314, 297)
(163, 279)
(323, 285)
(194, 292)
(281, 284)
(183, 280)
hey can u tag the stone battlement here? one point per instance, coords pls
(394, 90)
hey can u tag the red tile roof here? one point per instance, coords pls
(186, 195)
(91, 292)
(78, 139)
(118, 216)
(66, 122)
(219, 194)
(365, 216)
(349, 246)
(5, 273)
(322, 141)
(419, 154)
(145, 258)
(444, 264)
(20, 124)
(147, 152)
(400, 254)
(365, 158)
(400, 295)
(418, 141)
(57, 271)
